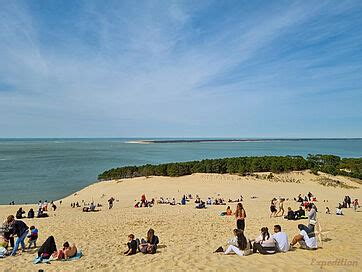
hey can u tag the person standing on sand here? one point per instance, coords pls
(21, 230)
(355, 204)
(273, 209)
(281, 207)
(110, 203)
(240, 215)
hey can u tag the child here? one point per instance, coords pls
(132, 245)
(33, 236)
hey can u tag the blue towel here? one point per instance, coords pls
(76, 257)
(38, 260)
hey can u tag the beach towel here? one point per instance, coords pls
(38, 260)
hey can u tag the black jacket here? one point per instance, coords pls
(19, 227)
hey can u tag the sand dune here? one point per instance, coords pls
(189, 236)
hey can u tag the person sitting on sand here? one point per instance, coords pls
(242, 246)
(149, 246)
(299, 214)
(45, 206)
(143, 200)
(201, 205)
(19, 213)
(7, 231)
(41, 213)
(328, 211)
(132, 245)
(306, 240)
(90, 208)
(227, 212)
(3, 241)
(48, 248)
(281, 239)
(31, 213)
(198, 200)
(67, 252)
(299, 198)
(290, 215)
(209, 201)
(234, 241)
(264, 243)
(339, 211)
(273, 209)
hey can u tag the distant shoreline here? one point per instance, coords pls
(172, 141)
(160, 139)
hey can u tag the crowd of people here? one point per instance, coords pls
(41, 212)
(12, 228)
(265, 243)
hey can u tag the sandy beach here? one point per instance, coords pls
(189, 236)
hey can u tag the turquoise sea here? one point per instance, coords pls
(39, 169)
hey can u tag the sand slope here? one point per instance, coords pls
(189, 236)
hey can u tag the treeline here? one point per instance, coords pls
(243, 165)
(334, 165)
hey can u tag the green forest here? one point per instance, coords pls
(330, 164)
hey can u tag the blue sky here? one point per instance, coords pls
(180, 68)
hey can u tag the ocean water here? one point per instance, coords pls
(39, 169)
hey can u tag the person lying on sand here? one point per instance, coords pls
(67, 252)
(306, 240)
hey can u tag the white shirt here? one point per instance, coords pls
(233, 241)
(281, 238)
(311, 242)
